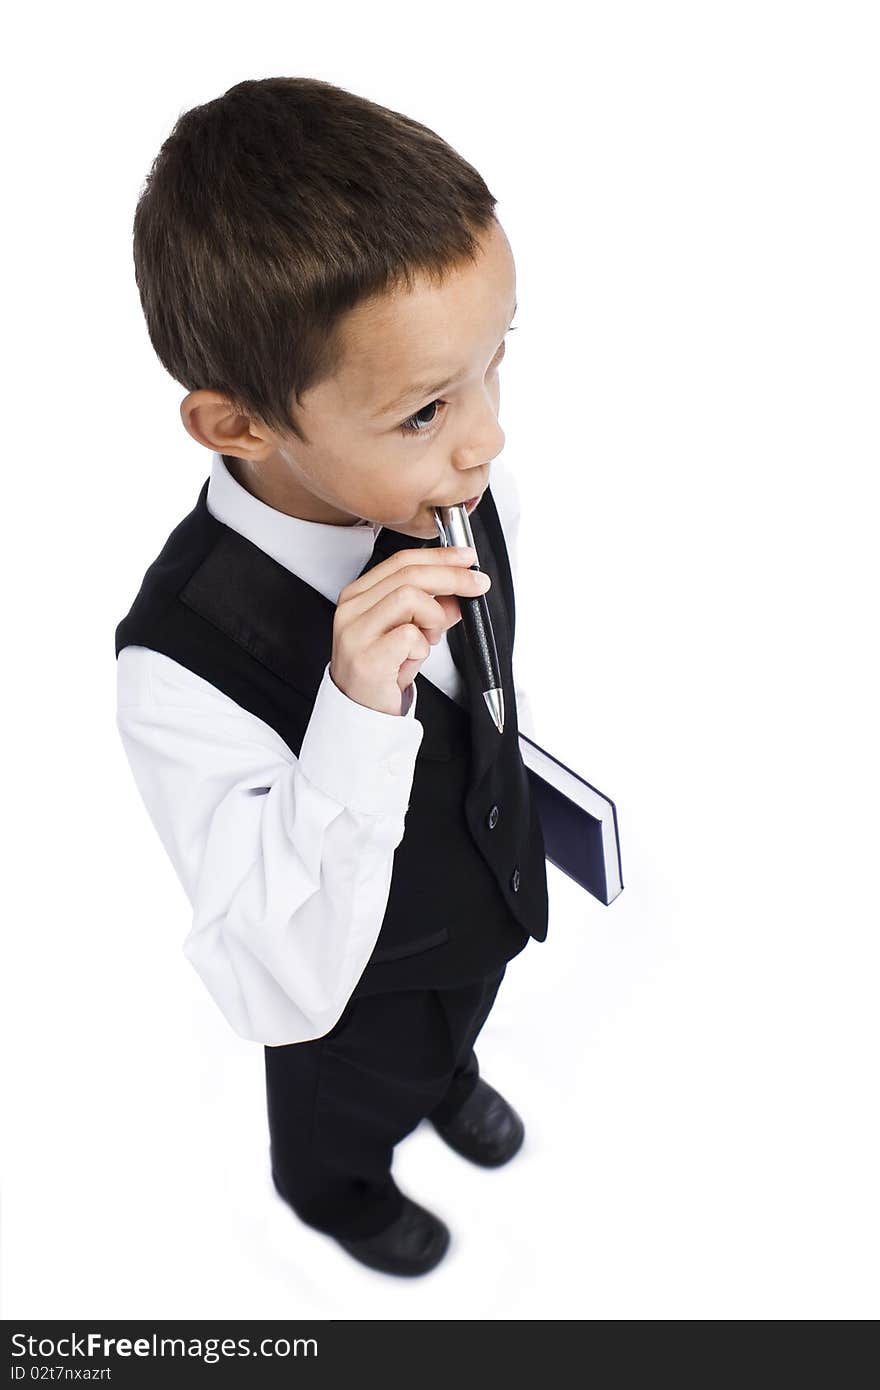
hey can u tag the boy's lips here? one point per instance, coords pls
(469, 502)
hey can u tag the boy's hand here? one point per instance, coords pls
(388, 620)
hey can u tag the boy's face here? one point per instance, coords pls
(378, 449)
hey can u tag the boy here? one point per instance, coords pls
(322, 274)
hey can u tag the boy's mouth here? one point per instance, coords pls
(470, 502)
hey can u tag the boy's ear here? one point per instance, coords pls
(215, 423)
(199, 412)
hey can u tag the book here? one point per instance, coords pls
(579, 823)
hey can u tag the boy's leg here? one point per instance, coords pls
(339, 1104)
(465, 1014)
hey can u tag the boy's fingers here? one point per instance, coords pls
(428, 555)
(452, 610)
(425, 585)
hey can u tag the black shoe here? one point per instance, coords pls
(415, 1242)
(486, 1129)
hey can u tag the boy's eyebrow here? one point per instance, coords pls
(420, 389)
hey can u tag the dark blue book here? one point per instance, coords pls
(579, 823)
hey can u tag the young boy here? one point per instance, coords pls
(328, 280)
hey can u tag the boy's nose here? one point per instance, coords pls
(484, 444)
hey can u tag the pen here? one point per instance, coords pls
(455, 529)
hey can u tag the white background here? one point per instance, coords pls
(690, 404)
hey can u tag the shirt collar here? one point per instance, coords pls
(325, 557)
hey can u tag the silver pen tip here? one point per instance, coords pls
(495, 704)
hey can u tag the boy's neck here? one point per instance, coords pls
(250, 481)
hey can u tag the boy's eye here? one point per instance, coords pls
(414, 424)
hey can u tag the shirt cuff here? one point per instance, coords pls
(358, 756)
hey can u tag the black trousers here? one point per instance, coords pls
(338, 1104)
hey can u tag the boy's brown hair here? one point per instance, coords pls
(272, 211)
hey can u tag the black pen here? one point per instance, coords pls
(454, 526)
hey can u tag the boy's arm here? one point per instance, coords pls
(286, 861)
(507, 502)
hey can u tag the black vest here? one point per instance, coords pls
(469, 883)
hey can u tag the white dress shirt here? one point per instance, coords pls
(286, 861)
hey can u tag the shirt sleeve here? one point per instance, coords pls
(507, 502)
(286, 860)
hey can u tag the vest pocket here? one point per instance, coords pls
(410, 948)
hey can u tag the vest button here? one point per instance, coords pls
(492, 818)
(514, 882)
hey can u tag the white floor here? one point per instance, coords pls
(698, 1139)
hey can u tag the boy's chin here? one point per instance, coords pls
(420, 529)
